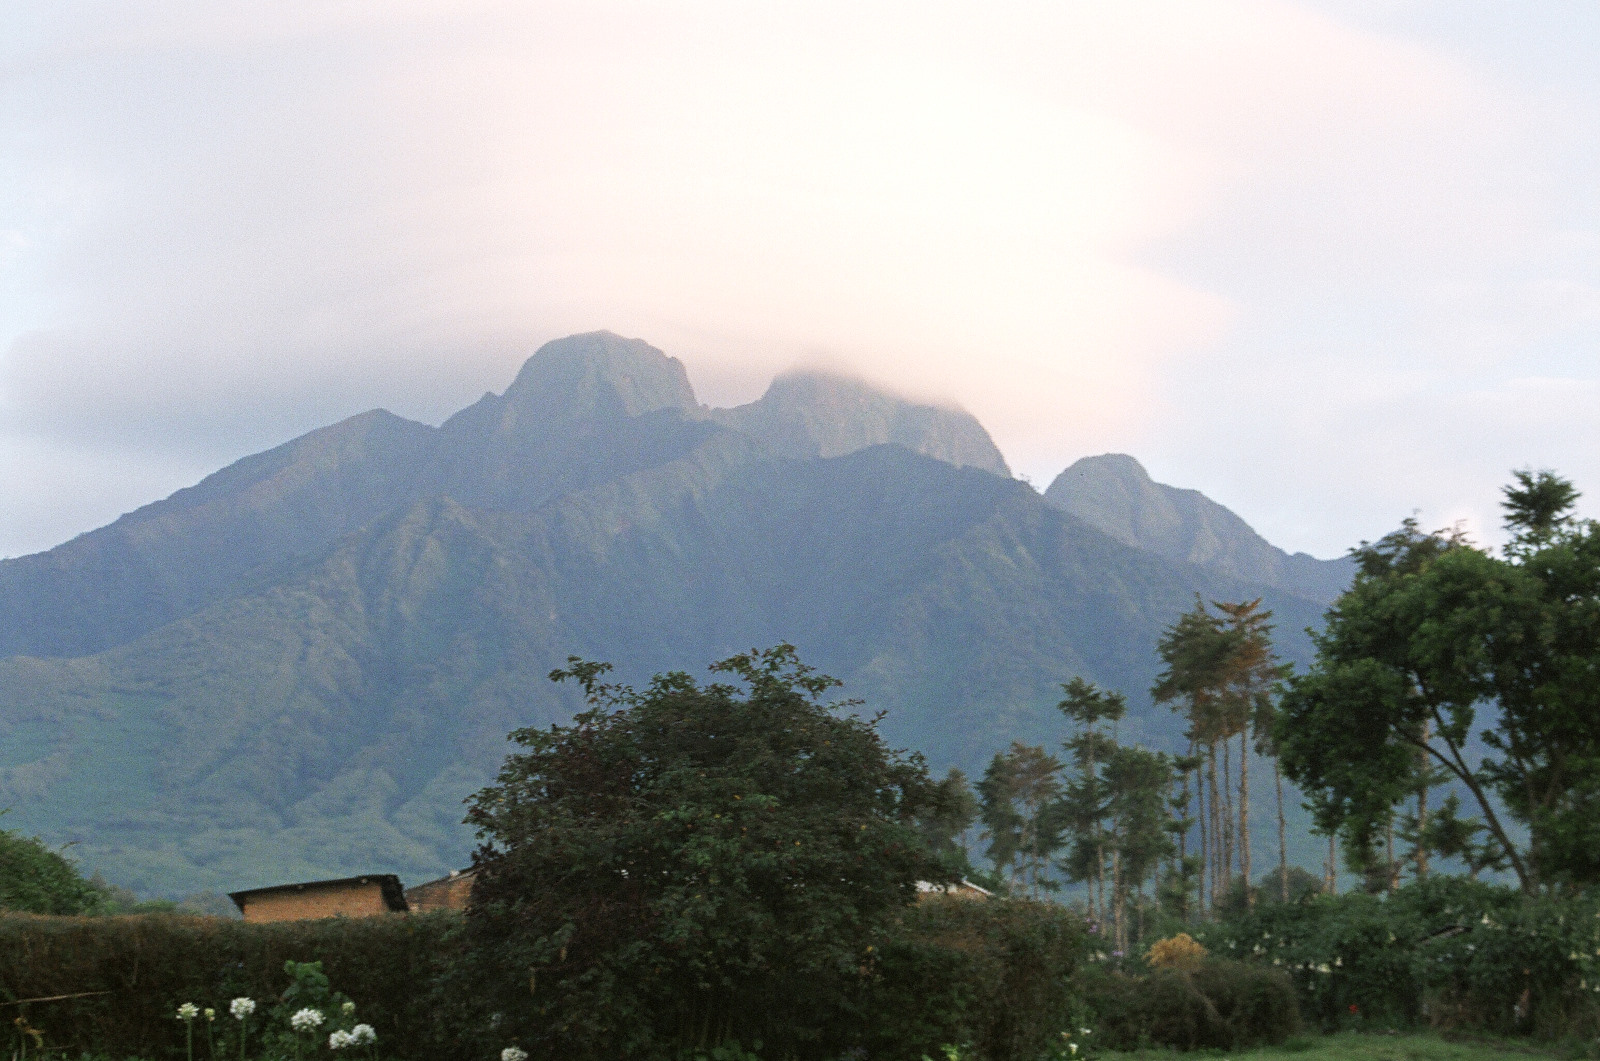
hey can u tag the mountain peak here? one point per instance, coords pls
(808, 413)
(1113, 493)
(598, 374)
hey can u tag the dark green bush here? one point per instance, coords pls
(1446, 951)
(994, 978)
(139, 969)
(1221, 1004)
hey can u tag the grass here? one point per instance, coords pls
(1358, 1046)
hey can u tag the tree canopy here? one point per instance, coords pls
(688, 865)
(1437, 636)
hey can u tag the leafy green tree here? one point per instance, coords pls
(688, 867)
(37, 880)
(1094, 714)
(1019, 797)
(951, 812)
(1136, 782)
(1433, 629)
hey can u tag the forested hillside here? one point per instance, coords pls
(301, 665)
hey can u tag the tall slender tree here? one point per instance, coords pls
(1094, 714)
(1018, 796)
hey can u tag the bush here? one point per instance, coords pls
(37, 880)
(135, 971)
(1451, 952)
(1221, 1004)
(994, 978)
(692, 866)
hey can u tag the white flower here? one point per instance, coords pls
(188, 1011)
(362, 1034)
(339, 1040)
(513, 1053)
(348, 1008)
(211, 1014)
(1074, 1048)
(242, 1008)
(306, 1020)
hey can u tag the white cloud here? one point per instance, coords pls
(1097, 226)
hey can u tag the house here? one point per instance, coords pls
(446, 893)
(368, 896)
(964, 889)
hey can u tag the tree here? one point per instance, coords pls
(37, 880)
(687, 865)
(1094, 713)
(1431, 631)
(1019, 794)
(951, 811)
(1136, 783)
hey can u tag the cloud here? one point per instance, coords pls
(1096, 226)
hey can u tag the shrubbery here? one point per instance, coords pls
(1223, 1004)
(132, 973)
(994, 979)
(1447, 951)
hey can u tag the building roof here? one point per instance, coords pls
(393, 895)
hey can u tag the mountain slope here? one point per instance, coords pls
(1114, 493)
(367, 611)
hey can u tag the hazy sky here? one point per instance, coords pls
(1328, 262)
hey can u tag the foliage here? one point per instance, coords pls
(1219, 1004)
(1432, 629)
(689, 866)
(37, 880)
(994, 978)
(1458, 953)
(130, 973)
(1175, 952)
(1018, 798)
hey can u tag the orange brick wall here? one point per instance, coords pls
(451, 893)
(350, 900)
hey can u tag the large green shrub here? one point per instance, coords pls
(693, 866)
(1222, 1004)
(131, 974)
(992, 978)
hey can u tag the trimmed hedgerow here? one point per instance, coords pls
(131, 973)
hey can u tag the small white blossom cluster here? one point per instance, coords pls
(306, 1020)
(188, 1011)
(348, 1008)
(513, 1053)
(360, 1035)
(242, 1008)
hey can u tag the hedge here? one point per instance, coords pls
(132, 972)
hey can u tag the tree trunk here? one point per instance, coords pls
(1330, 870)
(1227, 819)
(1202, 808)
(1391, 871)
(1218, 852)
(1244, 817)
(1283, 846)
(1422, 832)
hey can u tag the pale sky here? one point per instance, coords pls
(1328, 262)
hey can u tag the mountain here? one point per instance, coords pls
(1114, 494)
(303, 664)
